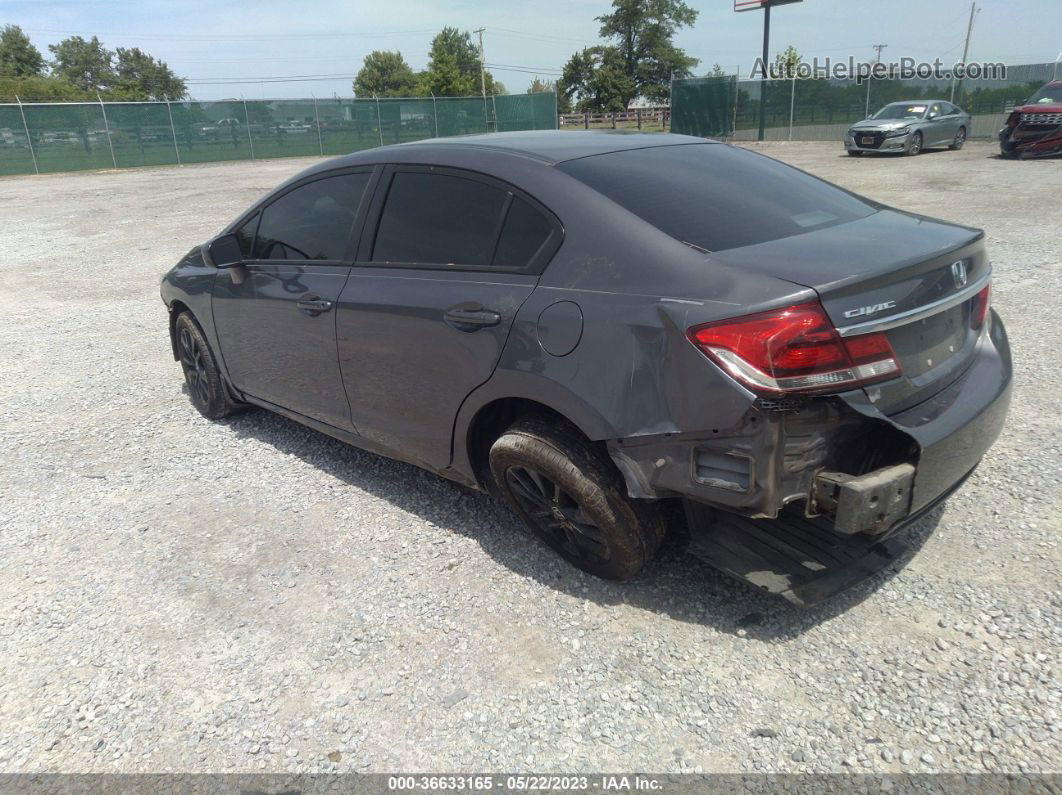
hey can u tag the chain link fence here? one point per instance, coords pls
(73, 136)
(822, 110)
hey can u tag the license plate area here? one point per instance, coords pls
(866, 141)
(927, 343)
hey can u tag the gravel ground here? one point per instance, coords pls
(179, 595)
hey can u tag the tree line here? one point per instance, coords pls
(80, 69)
(637, 58)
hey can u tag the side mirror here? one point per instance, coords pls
(932, 116)
(225, 251)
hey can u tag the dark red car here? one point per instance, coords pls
(1035, 128)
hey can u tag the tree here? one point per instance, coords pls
(18, 56)
(453, 67)
(385, 74)
(87, 65)
(541, 86)
(596, 80)
(139, 76)
(786, 63)
(640, 60)
(40, 88)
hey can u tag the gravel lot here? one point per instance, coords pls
(177, 595)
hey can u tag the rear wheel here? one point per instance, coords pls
(915, 147)
(572, 498)
(205, 385)
(960, 139)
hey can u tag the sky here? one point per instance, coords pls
(239, 48)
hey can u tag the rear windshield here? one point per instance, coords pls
(717, 197)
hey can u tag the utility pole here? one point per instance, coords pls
(965, 47)
(877, 59)
(482, 78)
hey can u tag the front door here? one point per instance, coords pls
(275, 313)
(425, 314)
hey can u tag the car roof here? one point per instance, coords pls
(556, 146)
(916, 102)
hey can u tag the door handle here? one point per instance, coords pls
(313, 304)
(471, 318)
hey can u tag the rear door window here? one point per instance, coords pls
(313, 221)
(717, 197)
(440, 219)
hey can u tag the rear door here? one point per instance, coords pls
(427, 309)
(941, 126)
(275, 313)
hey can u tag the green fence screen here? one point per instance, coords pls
(73, 136)
(822, 110)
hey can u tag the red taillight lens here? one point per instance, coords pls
(979, 307)
(795, 349)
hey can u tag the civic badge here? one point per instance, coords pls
(958, 273)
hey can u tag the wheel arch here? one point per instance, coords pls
(177, 308)
(478, 428)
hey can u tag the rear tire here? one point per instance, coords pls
(572, 498)
(960, 139)
(915, 147)
(205, 385)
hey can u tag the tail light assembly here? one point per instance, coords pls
(795, 350)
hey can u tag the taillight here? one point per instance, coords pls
(979, 307)
(796, 349)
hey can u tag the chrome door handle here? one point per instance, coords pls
(313, 304)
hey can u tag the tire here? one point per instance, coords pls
(960, 139)
(915, 147)
(573, 499)
(854, 153)
(1008, 154)
(205, 386)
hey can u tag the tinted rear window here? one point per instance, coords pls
(717, 197)
(525, 230)
(440, 219)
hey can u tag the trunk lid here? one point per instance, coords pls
(914, 278)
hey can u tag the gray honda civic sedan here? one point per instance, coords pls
(909, 128)
(624, 336)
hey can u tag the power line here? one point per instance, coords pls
(234, 37)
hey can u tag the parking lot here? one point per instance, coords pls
(180, 595)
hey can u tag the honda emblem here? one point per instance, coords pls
(958, 273)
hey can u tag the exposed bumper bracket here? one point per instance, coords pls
(871, 503)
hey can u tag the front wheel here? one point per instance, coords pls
(205, 385)
(960, 139)
(572, 498)
(915, 147)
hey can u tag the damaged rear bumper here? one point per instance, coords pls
(800, 559)
(860, 474)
